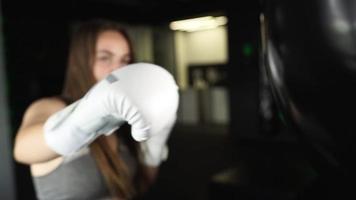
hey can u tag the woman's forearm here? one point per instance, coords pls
(30, 146)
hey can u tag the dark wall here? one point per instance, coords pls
(35, 53)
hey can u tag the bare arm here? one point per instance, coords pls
(30, 146)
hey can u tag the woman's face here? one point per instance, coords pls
(112, 52)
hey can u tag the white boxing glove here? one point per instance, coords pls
(142, 94)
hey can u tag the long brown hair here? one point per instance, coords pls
(79, 79)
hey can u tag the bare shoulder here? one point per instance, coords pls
(41, 109)
(46, 104)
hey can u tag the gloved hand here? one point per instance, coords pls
(144, 95)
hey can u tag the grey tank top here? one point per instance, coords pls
(77, 177)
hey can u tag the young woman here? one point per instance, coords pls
(108, 165)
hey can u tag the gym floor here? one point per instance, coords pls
(204, 164)
(196, 154)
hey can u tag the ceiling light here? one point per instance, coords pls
(198, 24)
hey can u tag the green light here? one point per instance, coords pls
(281, 117)
(247, 49)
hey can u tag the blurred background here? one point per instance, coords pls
(229, 141)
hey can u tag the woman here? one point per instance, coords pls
(112, 166)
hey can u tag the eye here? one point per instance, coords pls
(105, 59)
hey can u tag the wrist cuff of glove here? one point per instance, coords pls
(67, 141)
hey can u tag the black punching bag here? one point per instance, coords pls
(309, 53)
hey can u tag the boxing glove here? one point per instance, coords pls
(142, 94)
